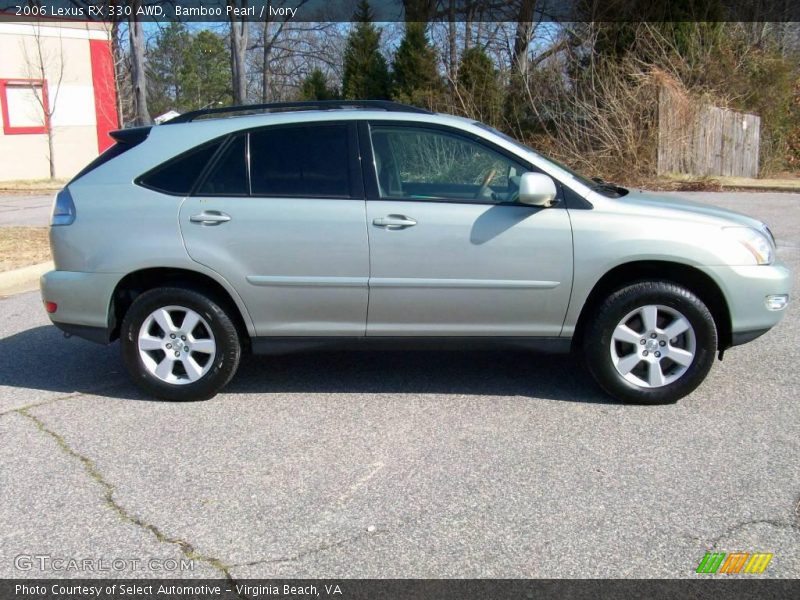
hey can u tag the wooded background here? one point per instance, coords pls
(587, 93)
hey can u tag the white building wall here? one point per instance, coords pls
(68, 71)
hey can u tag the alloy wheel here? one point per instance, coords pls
(653, 346)
(176, 345)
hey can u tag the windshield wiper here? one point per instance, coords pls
(604, 186)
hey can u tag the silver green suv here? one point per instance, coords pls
(292, 226)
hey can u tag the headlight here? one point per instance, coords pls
(754, 241)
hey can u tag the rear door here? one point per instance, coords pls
(452, 252)
(280, 213)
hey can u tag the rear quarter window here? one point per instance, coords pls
(178, 175)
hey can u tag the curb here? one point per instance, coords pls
(25, 279)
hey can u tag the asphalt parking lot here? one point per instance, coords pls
(25, 209)
(486, 464)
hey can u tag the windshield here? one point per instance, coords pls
(605, 189)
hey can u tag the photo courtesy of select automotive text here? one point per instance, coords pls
(399, 299)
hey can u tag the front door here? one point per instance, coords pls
(452, 253)
(287, 228)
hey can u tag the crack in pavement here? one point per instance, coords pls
(309, 552)
(42, 403)
(343, 499)
(91, 469)
(376, 467)
(742, 524)
(70, 396)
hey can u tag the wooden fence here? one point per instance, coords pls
(705, 140)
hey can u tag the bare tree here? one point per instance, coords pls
(239, 33)
(46, 65)
(118, 56)
(452, 42)
(522, 39)
(138, 74)
(285, 52)
(270, 34)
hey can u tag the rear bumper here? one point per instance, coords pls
(83, 301)
(99, 335)
(746, 290)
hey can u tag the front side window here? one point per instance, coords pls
(304, 161)
(426, 164)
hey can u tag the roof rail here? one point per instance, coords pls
(304, 105)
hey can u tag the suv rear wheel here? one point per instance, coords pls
(179, 344)
(651, 343)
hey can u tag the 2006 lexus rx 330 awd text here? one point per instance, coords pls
(292, 226)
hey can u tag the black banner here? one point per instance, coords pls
(399, 589)
(403, 10)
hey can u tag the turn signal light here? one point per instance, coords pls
(776, 301)
(50, 307)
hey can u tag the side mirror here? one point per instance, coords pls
(536, 189)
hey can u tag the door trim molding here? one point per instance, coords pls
(501, 284)
(290, 281)
(400, 282)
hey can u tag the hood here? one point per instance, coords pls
(673, 207)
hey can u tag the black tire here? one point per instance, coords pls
(598, 338)
(228, 347)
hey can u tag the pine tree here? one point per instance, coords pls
(165, 65)
(478, 87)
(206, 73)
(315, 87)
(416, 78)
(366, 76)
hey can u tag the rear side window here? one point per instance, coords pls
(300, 161)
(178, 175)
(228, 176)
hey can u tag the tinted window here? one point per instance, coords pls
(177, 176)
(228, 177)
(425, 164)
(300, 161)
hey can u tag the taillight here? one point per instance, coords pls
(63, 209)
(50, 307)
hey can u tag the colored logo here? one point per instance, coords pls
(734, 562)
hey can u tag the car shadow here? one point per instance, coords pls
(497, 220)
(42, 359)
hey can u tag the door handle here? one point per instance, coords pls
(394, 222)
(210, 217)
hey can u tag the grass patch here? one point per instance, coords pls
(33, 185)
(23, 246)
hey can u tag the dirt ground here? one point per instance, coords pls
(23, 246)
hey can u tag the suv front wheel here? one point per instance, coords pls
(652, 342)
(179, 344)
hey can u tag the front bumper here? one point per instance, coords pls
(746, 290)
(83, 300)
